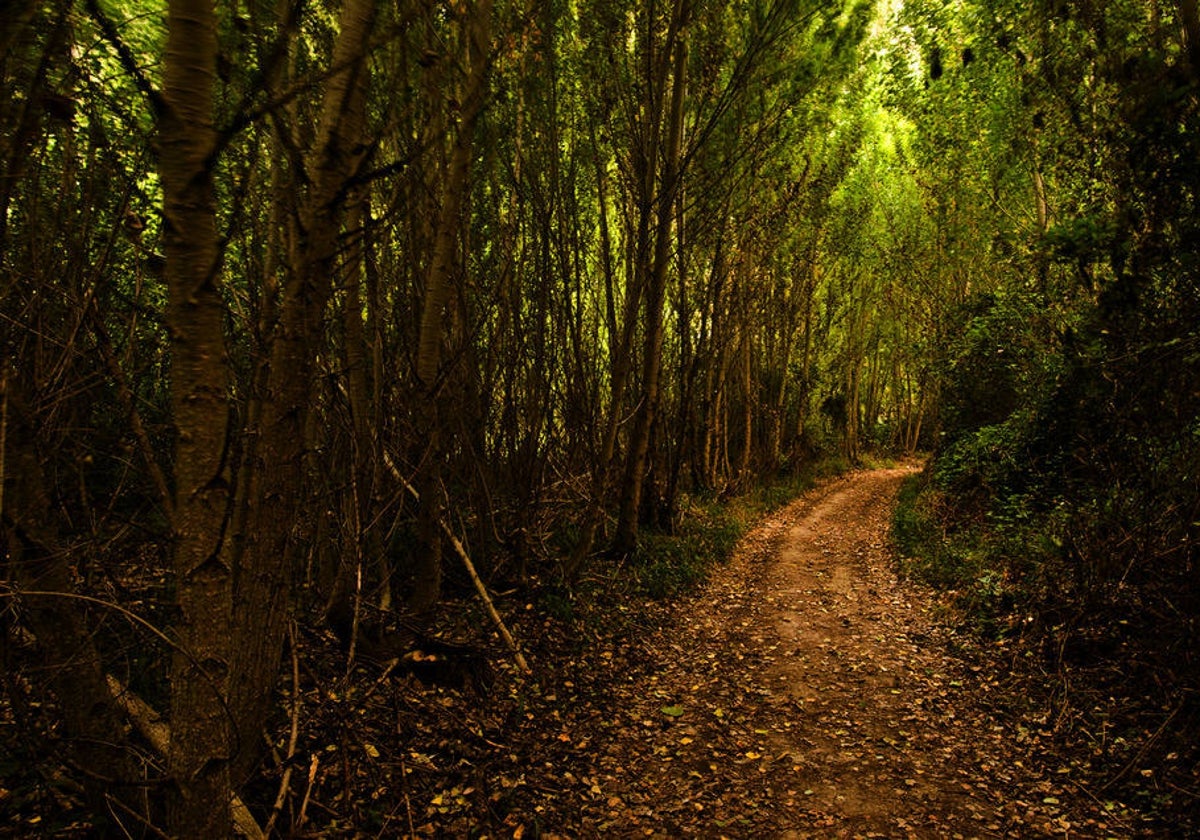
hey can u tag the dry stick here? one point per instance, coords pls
(357, 618)
(1110, 815)
(312, 774)
(487, 601)
(112, 802)
(151, 726)
(466, 559)
(412, 832)
(1142, 752)
(3, 429)
(293, 737)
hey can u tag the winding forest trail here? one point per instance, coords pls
(809, 692)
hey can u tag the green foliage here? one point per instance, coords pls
(997, 352)
(1062, 498)
(994, 567)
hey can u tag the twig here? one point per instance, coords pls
(128, 61)
(312, 774)
(1110, 815)
(7, 590)
(3, 430)
(1142, 752)
(487, 600)
(293, 737)
(480, 587)
(407, 801)
(387, 672)
(356, 618)
(145, 823)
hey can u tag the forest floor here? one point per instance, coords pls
(809, 692)
(804, 691)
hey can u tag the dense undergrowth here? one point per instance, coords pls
(1060, 511)
(1109, 669)
(1059, 516)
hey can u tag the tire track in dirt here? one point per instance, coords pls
(878, 758)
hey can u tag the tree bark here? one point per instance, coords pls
(1191, 27)
(70, 662)
(747, 447)
(200, 752)
(456, 185)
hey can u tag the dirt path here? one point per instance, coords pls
(807, 692)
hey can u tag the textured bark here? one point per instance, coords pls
(454, 193)
(21, 115)
(198, 759)
(1191, 28)
(357, 504)
(743, 474)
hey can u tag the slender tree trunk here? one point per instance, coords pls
(449, 233)
(69, 661)
(620, 366)
(747, 409)
(635, 465)
(805, 390)
(1191, 27)
(363, 467)
(454, 193)
(265, 568)
(853, 408)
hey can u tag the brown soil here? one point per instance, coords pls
(806, 692)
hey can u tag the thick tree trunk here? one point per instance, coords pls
(200, 751)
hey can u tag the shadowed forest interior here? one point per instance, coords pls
(349, 343)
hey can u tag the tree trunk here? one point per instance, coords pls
(70, 662)
(456, 185)
(1191, 28)
(635, 465)
(454, 194)
(621, 364)
(747, 409)
(264, 569)
(200, 751)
